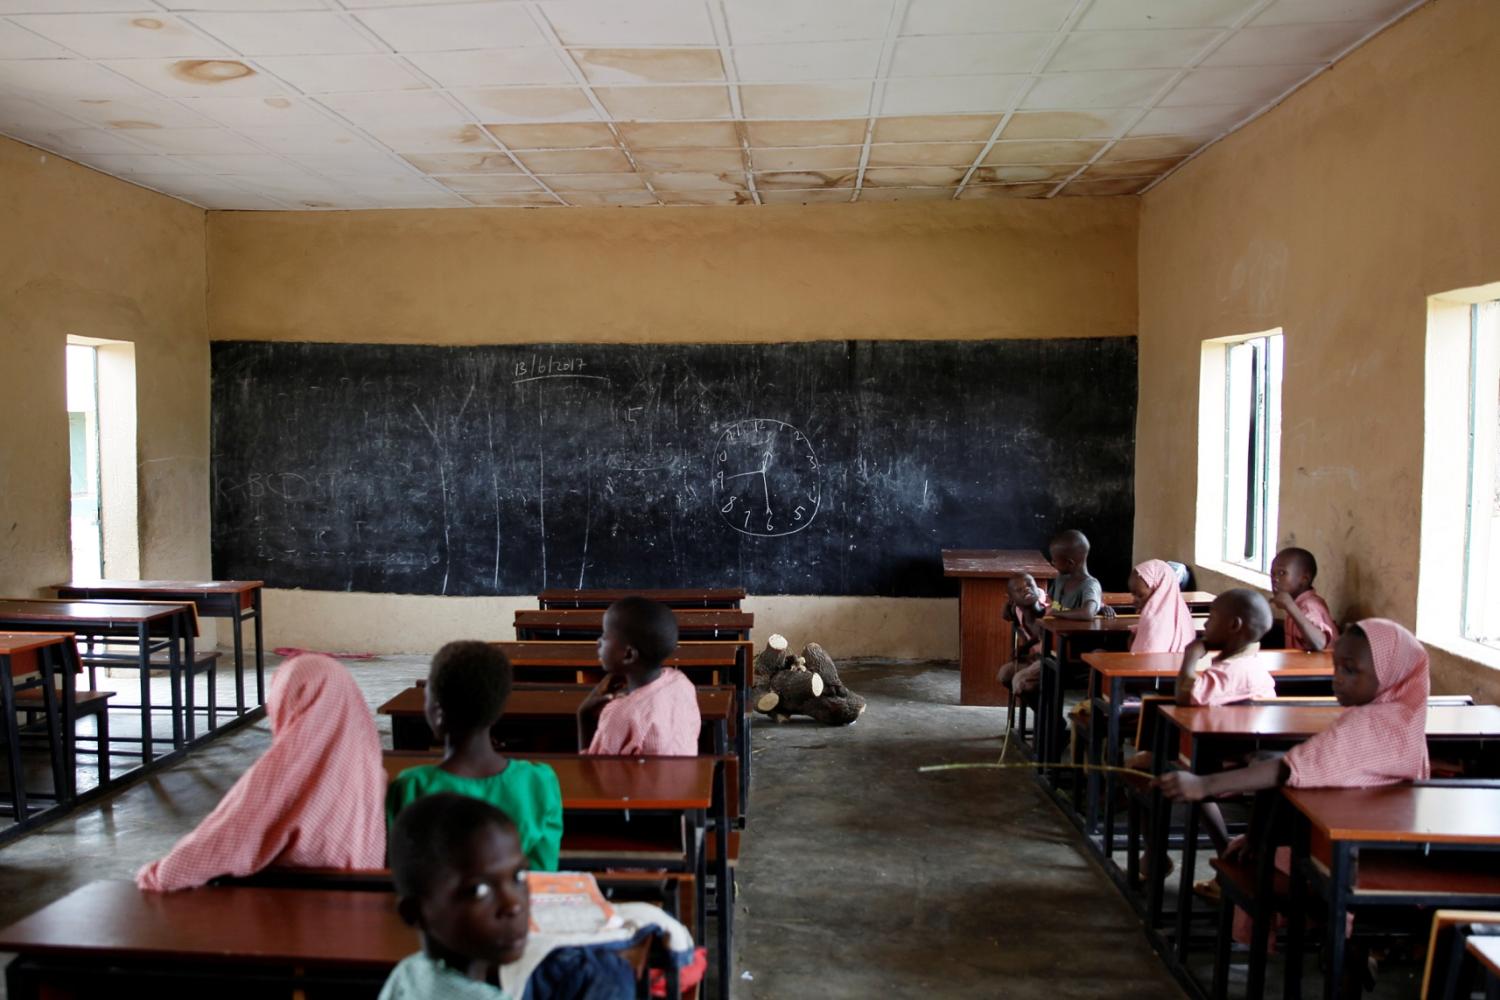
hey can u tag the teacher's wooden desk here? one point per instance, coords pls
(986, 639)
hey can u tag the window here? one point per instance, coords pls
(1480, 603)
(1239, 451)
(83, 455)
(102, 456)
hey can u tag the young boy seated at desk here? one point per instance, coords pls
(467, 687)
(640, 707)
(1074, 594)
(1024, 607)
(461, 880)
(1309, 624)
(1237, 620)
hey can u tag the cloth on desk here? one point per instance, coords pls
(313, 800)
(419, 977)
(526, 791)
(1166, 626)
(1241, 676)
(1312, 605)
(1381, 743)
(657, 718)
(633, 923)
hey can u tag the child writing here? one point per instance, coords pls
(640, 707)
(1024, 607)
(1236, 621)
(311, 801)
(467, 686)
(1309, 623)
(460, 880)
(1166, 626)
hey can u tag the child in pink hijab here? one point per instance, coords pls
(315, 799)
(1166, 626)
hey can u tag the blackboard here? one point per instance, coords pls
(846, 465)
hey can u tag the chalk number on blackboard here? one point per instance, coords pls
(766, 478)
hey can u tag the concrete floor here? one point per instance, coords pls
(860, 877)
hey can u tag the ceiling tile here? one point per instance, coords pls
(1123, 88)
(18, 43)
(1106, 188)
(962, 17)
(397, 108)
(528, 104)
(953, 55)
(291, 33)
(607, 199)
(193, 140)
(65, 78)
(907, 194)
(1150, 14)
(1133, 168)
(755, 21)
(1164, 48)
(191, 5)
(197, 77)
(1025, 173)
(697, 182)
(371, 164)
(650, 65)
(71, 6)
(332, 74)
(492, 67)
(914, 176)
(802, 180)
(430, 139)
(1235, 85)
(1212, 118)
(140, 163)
(669, 103)
(936, 128)
(595, 182)
(675, 135)
(18, 111)
(740, 196)
(308, 139)
(1043, 151)
(575, 161)
(79, 140)
(951, 94)
(914, 154)
(1101, 123)
(639, 22)
(808, 197)
(985, 192)
(489, 183)
(1324, 11)
(688, 160)
(381, 188)
(1289, 44)
(1152, 146)
(841, 132)
(809, 100)
(804, 61)
(805, 157)
(241, 163)
(573, 136)
(119, 36)
(522, 200)
(494, 162)
(460, 26)
(257, 112)
(140, 113)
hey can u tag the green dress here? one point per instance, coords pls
(526, 791)
(419, 977)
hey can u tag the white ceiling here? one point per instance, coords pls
(342, 104)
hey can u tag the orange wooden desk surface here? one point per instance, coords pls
(593, 618)
(585, 653)
(1125, 599)
(1283, 663)
(98, 588)
(714, 703)
(996, 562)
(1402, 813)
(1451, 722)
(681, 596)
(218, 923)
(1119, 623)
(114, 613)
(609, 783)
(21, 649)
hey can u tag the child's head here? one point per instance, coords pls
(1069, 551)
(1354, 679)
(467, 686)
(1293, 571)
(1139, 589)
(1023, 591)
(461, 879)
(1236, 618)
(638, 634)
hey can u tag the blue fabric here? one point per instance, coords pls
(596, 972)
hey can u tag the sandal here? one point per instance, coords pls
(1208, 889)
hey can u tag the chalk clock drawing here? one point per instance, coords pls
(766, 478)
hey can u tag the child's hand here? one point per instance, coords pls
(1283, 600)
(1181, 786)
(1195, 651)
(604, 692)
(1105, 611)
(1238, 849)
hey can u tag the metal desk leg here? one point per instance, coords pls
(1338, 907)
(143, 662)
(724, 889)
(239, 659)
(1186, 870)
(260, 648)
(13, 743)
(1112, 758)
(1160, 833)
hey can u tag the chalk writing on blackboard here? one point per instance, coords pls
(765, 478)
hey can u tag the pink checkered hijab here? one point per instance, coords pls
(1384, 742)
(315, 799)
(1166, 626)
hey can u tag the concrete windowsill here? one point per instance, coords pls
(1487, 656)
(1246, 576)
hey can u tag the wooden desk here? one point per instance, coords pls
(1196, 600)
(48, 661)
(237, 600)
(588, 623)
(1424, 819)
(723, 598)
(151, 627)
(1447, 956)
(986, 639)
(109, 937)
(554, 705)
(1486, 952)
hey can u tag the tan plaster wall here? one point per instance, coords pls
(1064, 268)
(1334, 217)
(86, 254)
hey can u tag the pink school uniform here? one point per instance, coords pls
(1311, 604)
(1241, 677)
(1166, 626)
(657, 718)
